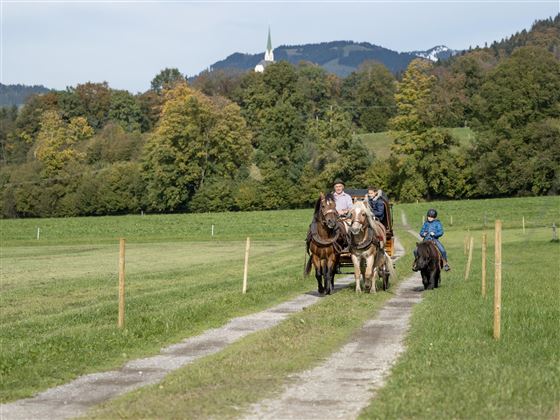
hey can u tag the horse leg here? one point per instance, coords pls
(432, 279)
(357, 272)
(318, 276)
(425, 280)
(374, 279)
(331, 268)
(369, 274)
(437, 277)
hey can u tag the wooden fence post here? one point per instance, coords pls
(246, 265)
(468, 269)
(498, 280)
(523, 225)
(121, 283)
(484, 265)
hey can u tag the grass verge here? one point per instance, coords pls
(453, 368)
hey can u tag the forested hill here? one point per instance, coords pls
(339, 57)
(543, 34)
(17, 94)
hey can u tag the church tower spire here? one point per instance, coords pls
(269, 55)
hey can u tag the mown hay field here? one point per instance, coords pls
(59, 298)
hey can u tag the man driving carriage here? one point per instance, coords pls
(343, 200)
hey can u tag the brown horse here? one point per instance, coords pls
(325, 240)
(367, 238)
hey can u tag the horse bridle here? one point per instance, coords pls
(369, 237)
(323, 212)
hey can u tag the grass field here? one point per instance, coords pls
(380, 143)
(59, 310)
(377, 143)
(453, 368)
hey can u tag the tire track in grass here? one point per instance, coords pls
(76, 397)
(346, 382)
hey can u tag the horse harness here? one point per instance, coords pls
(368, 240)
(313, 236)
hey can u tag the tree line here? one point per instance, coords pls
(273, 140)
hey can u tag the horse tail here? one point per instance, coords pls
(390, 268)
(307, 269)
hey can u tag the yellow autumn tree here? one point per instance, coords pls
(56, 140)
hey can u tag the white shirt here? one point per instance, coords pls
(343, 201)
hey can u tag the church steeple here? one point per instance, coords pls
(269, 55)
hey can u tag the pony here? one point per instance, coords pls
(429, 262)
(325, 240)
(367, 237)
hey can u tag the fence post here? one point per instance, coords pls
(121, 283)
(451, 221)
(38, 232)
(484, 265)
(498, 280)
(468, 269)
(523, 225)
(246, 265)
(554, 233)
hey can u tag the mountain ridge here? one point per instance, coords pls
(339, 57)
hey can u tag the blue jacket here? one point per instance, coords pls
(429, 227)
(377, 207)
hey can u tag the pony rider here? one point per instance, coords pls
(432, 230)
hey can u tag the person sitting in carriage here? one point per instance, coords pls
(377, 202)
(343, 201)
(432, 230)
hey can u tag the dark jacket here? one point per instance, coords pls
(377, 207)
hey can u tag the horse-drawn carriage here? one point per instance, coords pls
(326, 241)
(345, 259)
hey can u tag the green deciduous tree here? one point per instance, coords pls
(425, 164)
(369, 93)
(125, 110)
(167, 79)
(196, 139)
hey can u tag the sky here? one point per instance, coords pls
(126, 43)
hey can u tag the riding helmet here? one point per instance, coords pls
(338, 181)
(432, 213)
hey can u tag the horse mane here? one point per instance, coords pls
(426, 249)
(367, 211)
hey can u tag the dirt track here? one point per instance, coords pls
(345, 383)
(339, 388)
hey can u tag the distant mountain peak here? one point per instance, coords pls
(439, 52)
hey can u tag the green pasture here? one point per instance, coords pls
(59, 310)
(453, 368)
(380, 143)
(466, 215)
